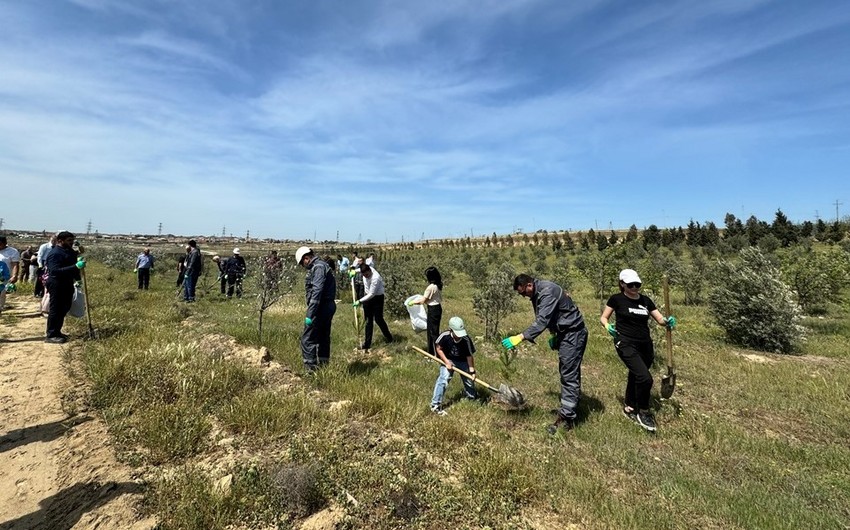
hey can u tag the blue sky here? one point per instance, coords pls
(387, 119)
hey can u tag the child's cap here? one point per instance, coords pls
(456, 323)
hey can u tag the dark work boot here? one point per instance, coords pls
(561, 423)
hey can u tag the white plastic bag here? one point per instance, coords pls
(45, 303)
(78, 304)
(418, 316)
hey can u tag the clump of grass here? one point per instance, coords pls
(160, 397)
(269, 415)
(171, 431)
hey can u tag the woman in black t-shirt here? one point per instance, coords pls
(634, 343)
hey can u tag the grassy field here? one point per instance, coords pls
(749, 440)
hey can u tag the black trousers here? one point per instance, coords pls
(61, 297)
(373, 311)
(234, 282)
(435, 314)
(638, 357)
(144, 278)
(316, 338)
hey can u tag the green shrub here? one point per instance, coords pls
(817, 277)
(753, 306)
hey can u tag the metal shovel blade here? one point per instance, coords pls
(668, 384)
(510, 396)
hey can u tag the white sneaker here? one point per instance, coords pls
(438, 411)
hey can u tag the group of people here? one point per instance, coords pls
(231, 272)
(58, 266)
(554, 310)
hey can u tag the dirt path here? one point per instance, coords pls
(57, 470)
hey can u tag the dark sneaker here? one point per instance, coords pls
(561, 423)
(630, 414)
(646, 421)
(56, 340)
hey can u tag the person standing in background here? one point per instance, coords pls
(194, 267)
(373, 305)
(433, 302)
(41, 260)
(144, 264)
(234, 270)
(12, 258)
(26, 259)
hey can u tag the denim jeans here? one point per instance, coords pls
(443, 381)
(190, 279)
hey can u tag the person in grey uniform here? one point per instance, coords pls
(554, 310)
(320, 290)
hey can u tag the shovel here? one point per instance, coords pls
(88, 309)
(354, 298)
(668, 382)
(504, 394)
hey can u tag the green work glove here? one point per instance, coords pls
(512, 342)
(78, 284)
(411, 302)
(135, 271)
(81, 263)
(671, 322)
(356, 303)
(552, 340)
(611, 330)
(10, 288)
(308, 321)
(352, 273)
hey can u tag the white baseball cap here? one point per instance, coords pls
(629, 276)
(236, 251)
(300, 253)
(456, 324)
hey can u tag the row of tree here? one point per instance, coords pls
(735, 233)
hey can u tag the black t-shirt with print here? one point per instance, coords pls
(455, 351)
(632, 316)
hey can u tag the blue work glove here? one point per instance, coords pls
(10, 288)
(671, 322)
(512, 342)
(81, 263)
(308, 321)
(356, 303)
(612, 330)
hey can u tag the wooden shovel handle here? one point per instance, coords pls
(86, 294)
(456, 369)
(353, 299)
(669, 331)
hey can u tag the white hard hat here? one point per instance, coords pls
(236, 251)
(300, 253)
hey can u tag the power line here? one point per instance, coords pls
(837, 204)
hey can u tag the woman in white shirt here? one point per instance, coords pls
(433, 300)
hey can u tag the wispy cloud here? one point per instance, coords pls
(290, 118)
